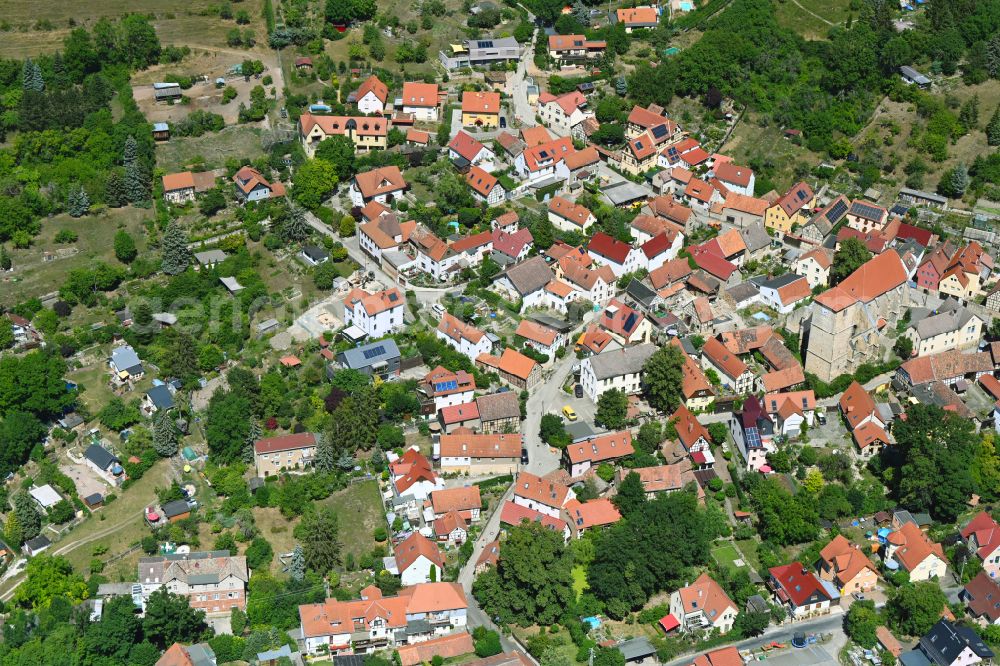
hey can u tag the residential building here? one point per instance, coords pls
(485, 188)
(857, 407)
(933, 266)
(377, 314)
(640, 153)
(566, 49)
(384, 185)
(947, 367)
(737, 179)
(199, 654)
(446, 647)
(465, 150)
(414, 615)
(384, 233)
(982, 535)
(662, 478)
(821, 224)
(213, 581)
(952, 326)
(845, 321)
(793, 209)
(564, 113)
(513, 367)
(464, 338)
(727, 656)
(784, 292)
(447, 388)
(465, 501)
(703, 605)
(125, 365)
(371, 96)
(545, 163)
(590, 515)
(511, 246)
(412, 476)
(596, 285)
(799, 590)
(178, 188)
(580, 457)
(621, 257)
(418, 560)
(421, 101)
(514, 514)
(982, 598)
(626, 325)
(696, 389)
(366, 132)
(635, 18)
(480, 109)
(479, 454)
(525, 281)
(538, 494)
(568, 216)
(949, 644)
(499, 412)
(434, 256)
(814, 266)
(620, 369)
(541, 338)
(844, 564)
(252, 186)
(966, 272)
(481, 52)
(866, 217)
(790, 410)
(915, 553)
(375, 359)
(465, 415)
(475, 248)
(753, 432)
(733, 373)
(284, 453)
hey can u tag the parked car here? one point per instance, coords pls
(578, 390)
(569, 413)
(524, 456)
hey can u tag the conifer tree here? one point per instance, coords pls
(114, 189)
(136, 185)
(27, 515)
(5, 260)
(176, 256)
(993, 129)
(31, 77)
(297, 565)
(164, 434)
(959, 180)
(78, 203)
(254, 434)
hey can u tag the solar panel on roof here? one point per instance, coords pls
(753, 438)
(638, 145)
(374, 351)
(659, 131)
(836, 211)
(864, 210)
(485, 44)
(630, 322)
(801, 194)
(446, 386)
(393, 297)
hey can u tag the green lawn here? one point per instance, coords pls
(359, 508)
(797, 16)
(580, 584)
(749, 549)
(726, 555)
(211, 150)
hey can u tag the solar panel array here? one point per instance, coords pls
(753, 438)
(672, 154)
(450, 385)
(801, 194)
(866, 210)
(836, 211)
(630, 321)
(659, 131)
(374, 351)
(485, 44)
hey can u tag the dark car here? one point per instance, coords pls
(578, 390)
(503, 122)
(524, 456)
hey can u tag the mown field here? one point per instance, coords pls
(812, 18)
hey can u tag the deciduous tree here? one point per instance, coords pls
(663, 378)
(851, 255)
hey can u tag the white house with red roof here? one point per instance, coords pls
(447, 388)
(464, 338)
(626, 325)
(594, 514)
(371, 96)
(566, 215)
(659, 250)
(545, 162)
(418, 560)
(252, 186)
(434, 256)
(514, 246)
(284, 453)
(466, 150)
(377, 314)
(473, 249)
(982, 534)
(545, 496)
(486, 188)
(620, 256)
(412, 475)
(703, 605)
(382, 185)
(580, 457)
(420, 100)
(736, 178)
(800, 591)
(367, 132)
(565, 112)
(541, 338)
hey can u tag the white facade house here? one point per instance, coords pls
(464, 338)
(545, 162)
(566, 215)
(620, 369)
(420, 100)
(564, 112)
(371, 96)
(538, 494)
(377, 314)
(703, 605)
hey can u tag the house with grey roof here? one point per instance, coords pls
(620, 369)
(480, 52)
(526, 281)
(209, 258)
(380, 358)
(157, 398)
(125, 365)
(952, 326)
(213, 581)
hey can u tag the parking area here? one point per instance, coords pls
(811, 655)
(833, 434)
(86, 479)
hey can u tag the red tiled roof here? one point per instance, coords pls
(466, 145)
(723, 359)
(610, 248)
(480, 102)
(568, 210)
(380, 181)
(712, 262)
(728, 172)
(299, 440)
(420, 94)
(638, 16)
(459, 413)
(375, 86)
(598, 449)
(515, 514)
(798, 583)
(481, 181)
(878, 275)
(594, 513)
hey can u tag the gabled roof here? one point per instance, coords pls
(598, 449)
(511, 244)
(568, 102)
(529, 275)
(568, 210)
(546, 154)
(291, 442)
(466, 145)
(458, 330)
(410, 549)
(706, 595)
(726, 361)
(535, 332)
(982, 594)
(671, 271)
(638, 16)
(878, 275)
(610, 248)
(481, 181)
(712, 262)
(731, 243)
(593, 513)
(795, 199)
(986, 532)
(480, 102)
(868, 434)
(629, 360)
(480, 445)
(734, 174)
(644, 117)
(542, 491)
(517, 364)
(465, 498)
(373, 304)
(694, 380)
(178, 181)
(798, 583)
(496, 406)
(913, 546)
(845, 560)
(375, 86)
(946, 365)
(689, 429)
(821, 255)
(620, 318)
(856, 404)
(380, 181)
(515, 514)
(419, 94)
